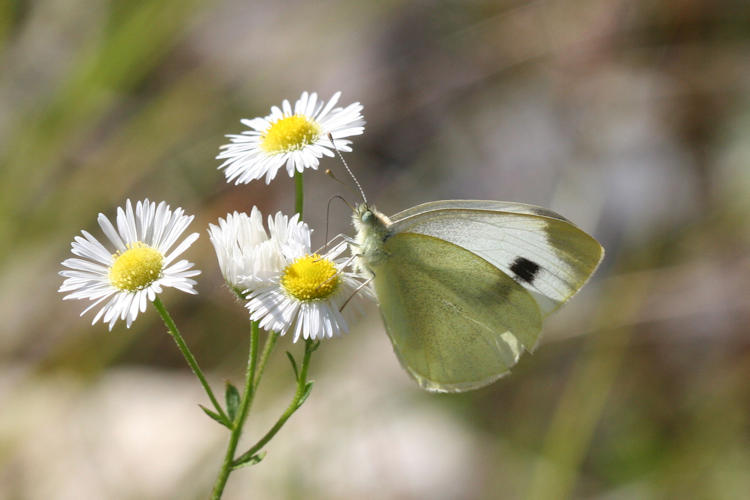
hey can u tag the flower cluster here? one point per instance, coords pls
(287, 287)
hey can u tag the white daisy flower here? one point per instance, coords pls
(247, 256)
(296, 138)
(305, 295)
(140, 266)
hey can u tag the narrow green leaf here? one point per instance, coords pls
(254, 459)
(216, 417)
(306, 394)
(232, 396)
(294, 365)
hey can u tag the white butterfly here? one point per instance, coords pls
(463, 285)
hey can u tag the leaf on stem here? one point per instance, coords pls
(216, 417)
(312, 346)
(232, 396)
(305, 394)
(251, 460)
(294, 365)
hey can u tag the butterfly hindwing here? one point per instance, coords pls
(457, 322)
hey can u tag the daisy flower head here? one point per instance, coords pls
(248, 255)
(293, 137)
(305, 297)
(143, 261)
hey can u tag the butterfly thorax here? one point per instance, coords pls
(373, 228)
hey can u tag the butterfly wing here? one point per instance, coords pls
(541, 250)
(456, 321)
(489, 205)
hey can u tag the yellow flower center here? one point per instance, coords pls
(136, 268)
(310, 278)
(290, 134)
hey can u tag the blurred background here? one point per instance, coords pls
(632, 118)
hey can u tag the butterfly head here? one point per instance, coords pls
(368, 219)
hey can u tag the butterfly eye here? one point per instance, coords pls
(367, 216)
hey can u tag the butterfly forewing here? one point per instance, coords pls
(539, 249)
(489, 205)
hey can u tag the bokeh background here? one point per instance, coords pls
(631, 118)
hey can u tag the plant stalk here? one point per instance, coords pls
(175, 333)
(238, 423)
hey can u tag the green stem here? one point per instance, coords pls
(252, 380)
(310, 347)
(267, 348)
(298, 193)
(175, 333)
(245, 403)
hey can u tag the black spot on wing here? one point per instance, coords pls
(525, 269)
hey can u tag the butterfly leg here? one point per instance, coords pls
(355, 292)
(342, 237)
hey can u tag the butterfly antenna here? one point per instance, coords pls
(330, 174)
(359, 187)
(328, 213)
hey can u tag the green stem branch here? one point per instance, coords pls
(237, 424)
(175, 333)
(298, 193)
(267, 348)
(310, 347)
(252, 380)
